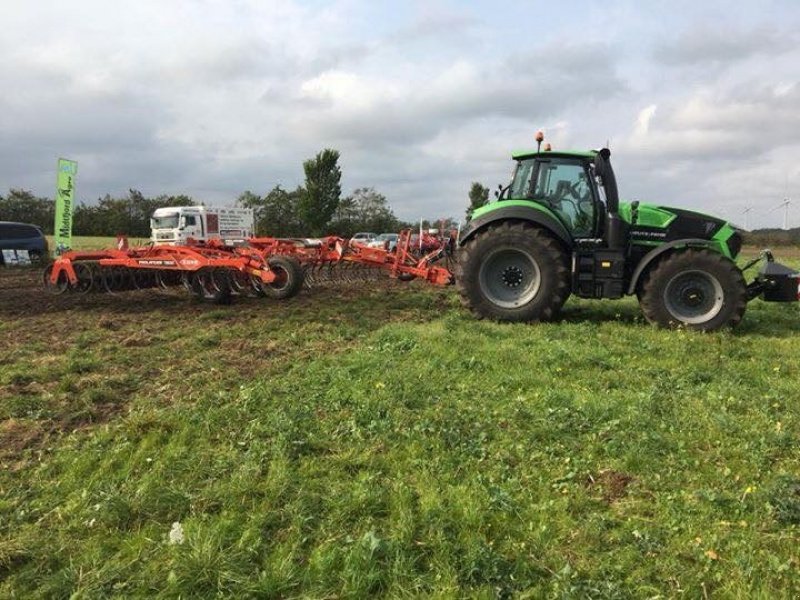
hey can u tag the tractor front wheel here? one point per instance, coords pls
(696, 289)
(513, 271)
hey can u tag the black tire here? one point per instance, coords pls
(513, 271)
(289, 277)
(694, 288)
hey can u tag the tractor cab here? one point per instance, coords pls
(564, 184)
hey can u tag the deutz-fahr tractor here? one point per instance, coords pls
(559, 228)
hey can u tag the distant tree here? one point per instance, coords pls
(478, 196)
(276, 214)
(319, 200)
(249, 199)
(373, 211)
(345, 220)
(129, 215)
(364, 210)
(23, 206)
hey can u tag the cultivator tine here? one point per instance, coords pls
(167, 280)
(341, 272)
(309, 275)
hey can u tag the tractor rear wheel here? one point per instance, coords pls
(697, 289)
(513, 271)
(288, 277)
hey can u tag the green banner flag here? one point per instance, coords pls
(65, 195)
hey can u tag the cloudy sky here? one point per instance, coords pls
(700, 101)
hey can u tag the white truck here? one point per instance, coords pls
(176, 224)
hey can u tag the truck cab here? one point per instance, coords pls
(175, 225)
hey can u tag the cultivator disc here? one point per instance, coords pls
(59, 286)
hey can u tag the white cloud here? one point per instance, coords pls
(214, 97)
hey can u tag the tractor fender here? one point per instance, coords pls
(521, 213)
(651, 256)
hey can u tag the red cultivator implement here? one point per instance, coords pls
(215, 270)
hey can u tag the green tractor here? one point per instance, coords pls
(559, 228)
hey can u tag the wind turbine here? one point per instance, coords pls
(785, 206)
(746, 213)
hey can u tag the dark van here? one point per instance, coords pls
(21, 236)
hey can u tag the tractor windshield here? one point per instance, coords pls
(521, 182)
(164, 222)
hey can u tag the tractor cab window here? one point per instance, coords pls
(521, 181)
(565, 187)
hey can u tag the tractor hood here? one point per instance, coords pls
(652, 224)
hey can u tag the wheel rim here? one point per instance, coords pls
(281, 280)
(510, 277)
(694, 297)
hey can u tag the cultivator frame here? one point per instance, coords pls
(323, 256)
(265, 266)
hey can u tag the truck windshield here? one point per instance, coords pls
(164, 222)
(521, 183)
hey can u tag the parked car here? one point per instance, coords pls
(363, 237)
(22, 236)
(385, 240)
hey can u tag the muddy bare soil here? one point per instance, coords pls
(22, 294)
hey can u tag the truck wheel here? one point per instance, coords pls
(513, 271)
(698, 289)
(289, 277)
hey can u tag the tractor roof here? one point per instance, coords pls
(519, 154)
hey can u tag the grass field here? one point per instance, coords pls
(82, 242)
(379, 441)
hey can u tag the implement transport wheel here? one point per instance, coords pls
(513, 271)
(289, 277)
(697, 289)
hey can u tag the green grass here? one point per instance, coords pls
(83, 242)
(382, 442)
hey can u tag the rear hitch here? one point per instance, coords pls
(775, 282)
